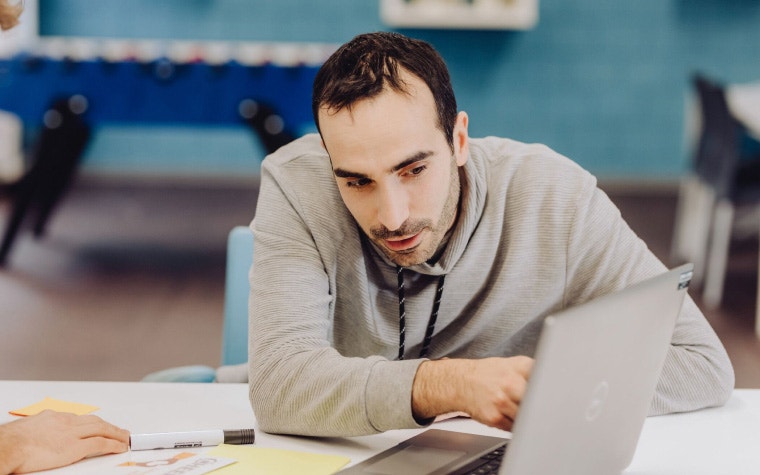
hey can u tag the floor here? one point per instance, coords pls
(129, 279)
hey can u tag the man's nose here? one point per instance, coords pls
(392, 207)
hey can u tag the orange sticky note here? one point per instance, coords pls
(55, 405)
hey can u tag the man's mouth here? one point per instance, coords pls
(403, 244)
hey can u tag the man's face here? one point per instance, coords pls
(395, 170)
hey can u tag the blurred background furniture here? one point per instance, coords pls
(235, 327)
(186, 85)
(725, 175)
(55, 160)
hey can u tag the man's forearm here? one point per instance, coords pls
(489, 390)
(436, 386)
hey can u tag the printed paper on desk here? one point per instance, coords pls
(184, 463)
(267, 461)
(55, 405)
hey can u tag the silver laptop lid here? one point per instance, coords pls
(596, 369)
(597, 366)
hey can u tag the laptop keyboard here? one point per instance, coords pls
(488, 464)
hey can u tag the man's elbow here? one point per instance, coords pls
(721, 373)
(726, 382)
(266, 406)
(266, 418)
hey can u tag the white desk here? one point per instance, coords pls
(722, 441)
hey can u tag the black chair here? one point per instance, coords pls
(54, 164)
(61, 146)
(266, 124)
(725, 175)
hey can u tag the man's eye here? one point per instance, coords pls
(417, 170)
(358, 183)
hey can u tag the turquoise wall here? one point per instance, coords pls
(601, 81)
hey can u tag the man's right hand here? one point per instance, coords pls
(489, 390)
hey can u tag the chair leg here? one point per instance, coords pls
(718, 253)
(21, 205)
(699, 230)
(679, 246)
(56, 187)
(757, 304)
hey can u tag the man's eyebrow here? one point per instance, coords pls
(421, 155)
(341, 173)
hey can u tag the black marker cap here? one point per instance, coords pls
(239, 437)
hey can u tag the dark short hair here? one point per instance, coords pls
(363, 67)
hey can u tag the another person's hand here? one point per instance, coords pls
(489, 390)
(54, 439)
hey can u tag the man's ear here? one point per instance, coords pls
(461, 139)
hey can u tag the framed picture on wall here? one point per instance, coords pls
(462, 14)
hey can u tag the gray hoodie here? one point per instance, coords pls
(534, 235)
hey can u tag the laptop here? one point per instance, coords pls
(595, 372)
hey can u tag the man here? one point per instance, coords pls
(402, 270)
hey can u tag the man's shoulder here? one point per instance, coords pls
(301, 173)
(525, 161)
(304, 152)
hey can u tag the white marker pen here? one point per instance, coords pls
(183, 440)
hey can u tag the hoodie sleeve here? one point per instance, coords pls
(605, 255)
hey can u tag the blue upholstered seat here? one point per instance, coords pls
(235, 329)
